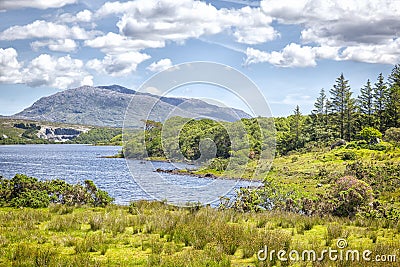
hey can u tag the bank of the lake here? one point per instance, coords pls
(77, 163)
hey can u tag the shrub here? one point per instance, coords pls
(32, 199)
(392, 135)
(369, 134)
(349, 155)
(25, 191)
(350, 194)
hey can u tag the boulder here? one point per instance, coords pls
(338, 143)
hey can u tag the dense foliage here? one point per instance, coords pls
(99, 136)
(342, 116)
(25, 191)
(189, 139)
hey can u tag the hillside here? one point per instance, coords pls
(106, 106)
(18, 131)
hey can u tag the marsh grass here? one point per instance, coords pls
(155, 234)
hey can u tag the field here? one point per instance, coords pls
(155, 234)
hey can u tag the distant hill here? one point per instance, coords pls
(106, 105)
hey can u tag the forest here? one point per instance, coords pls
(342, 159)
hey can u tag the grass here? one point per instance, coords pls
(155, 234)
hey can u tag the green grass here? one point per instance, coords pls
(155, 234)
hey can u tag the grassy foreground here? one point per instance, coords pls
(155, 234)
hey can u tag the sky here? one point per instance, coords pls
(290, 49)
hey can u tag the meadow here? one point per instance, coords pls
(156, 234)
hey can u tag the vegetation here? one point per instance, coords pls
(23, 191)
(155, 234)
(100, 136)
(336, 175)
(17, 131)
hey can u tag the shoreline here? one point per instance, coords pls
(206, 175)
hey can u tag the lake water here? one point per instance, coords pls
(76, 163)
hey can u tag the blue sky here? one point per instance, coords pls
(289, 48)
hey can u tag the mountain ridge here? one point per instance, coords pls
(106, 105)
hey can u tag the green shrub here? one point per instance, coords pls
(392, 135)
(350, 194)
(25, 191)
(349, 155)
(32, 199)
(369, 134)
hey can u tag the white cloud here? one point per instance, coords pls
(9, 66)
(387, 54)
(359, 27)
(40, 4)
(113, 43)
(63, 45)
(152, 90)
(160, 65)
(44, 29)
(293, 55)
(118, 65)
(62, 72)
(82, 16)
(179, 20)
(44, 70)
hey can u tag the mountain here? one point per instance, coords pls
(106, 106)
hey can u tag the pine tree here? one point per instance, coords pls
(381, 95)
(393, 107)
(342, 107)
(296, 127)
(319, 118)
(365, 103)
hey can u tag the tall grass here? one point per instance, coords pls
(155, 234)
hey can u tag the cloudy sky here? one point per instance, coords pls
(289, 48)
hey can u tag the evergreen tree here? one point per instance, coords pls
(296, 126)
(365, 103)
(318, 128)
(381, 95)
(342, 108)
(393, 108)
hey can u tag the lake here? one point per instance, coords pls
(124, 180)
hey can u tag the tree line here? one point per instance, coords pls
(340, 115)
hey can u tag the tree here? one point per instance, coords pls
(318, 123)
(342, 107)
(381, 95)
(296, 127)
(365, 103)
(393, 105)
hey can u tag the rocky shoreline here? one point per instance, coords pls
(200, 175)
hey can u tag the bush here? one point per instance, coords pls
(392, 135)
(32, 199)
(25, 191)
(350, 195)
(349, 155)
(369, 134)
